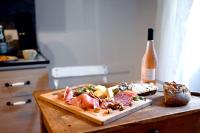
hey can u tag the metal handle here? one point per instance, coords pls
(153, 131)
(18, 84)
(195, 93)
(18, 103)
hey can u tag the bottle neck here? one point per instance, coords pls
(150, 45)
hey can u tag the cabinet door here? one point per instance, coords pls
(20, 115)
(24, 82)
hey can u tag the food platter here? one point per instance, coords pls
(4, 58)
(102, 116)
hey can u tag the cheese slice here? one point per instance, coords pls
(100, 91)
(110, 92)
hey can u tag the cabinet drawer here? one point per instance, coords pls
(18, 116)
(180, 124)
(4, 92)
(24, 82)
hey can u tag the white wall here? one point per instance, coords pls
(85, 32)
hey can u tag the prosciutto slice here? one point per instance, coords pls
(68, 94)
(87, 102)
(83, 101)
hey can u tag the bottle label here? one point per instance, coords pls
(1, 35)
(149, 74)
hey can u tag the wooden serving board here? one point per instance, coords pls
(100, 118)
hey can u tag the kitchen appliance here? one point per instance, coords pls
(18, 20)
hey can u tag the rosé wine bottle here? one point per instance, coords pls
(149, 61)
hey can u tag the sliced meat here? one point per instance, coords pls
(112, 105)
(68, 94)
(83, 101)
(124, 97)
(74, 101)
(87, 102)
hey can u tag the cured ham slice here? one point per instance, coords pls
(83, 101)
(74, 101)
(124, 97)
(87, 102)
(68, 94)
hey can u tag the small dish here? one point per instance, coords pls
(29, 54)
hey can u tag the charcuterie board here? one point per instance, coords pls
(100, 118)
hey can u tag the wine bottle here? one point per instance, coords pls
(149, 61)
(2, 38)
(3, 43)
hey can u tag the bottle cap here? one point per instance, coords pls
(150, 34)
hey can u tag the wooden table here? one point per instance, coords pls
(152, 119)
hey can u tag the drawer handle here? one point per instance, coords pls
(153, 131)
(18, 84)
(18, 103)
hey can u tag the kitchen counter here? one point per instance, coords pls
(153, 119)
(39, 61)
